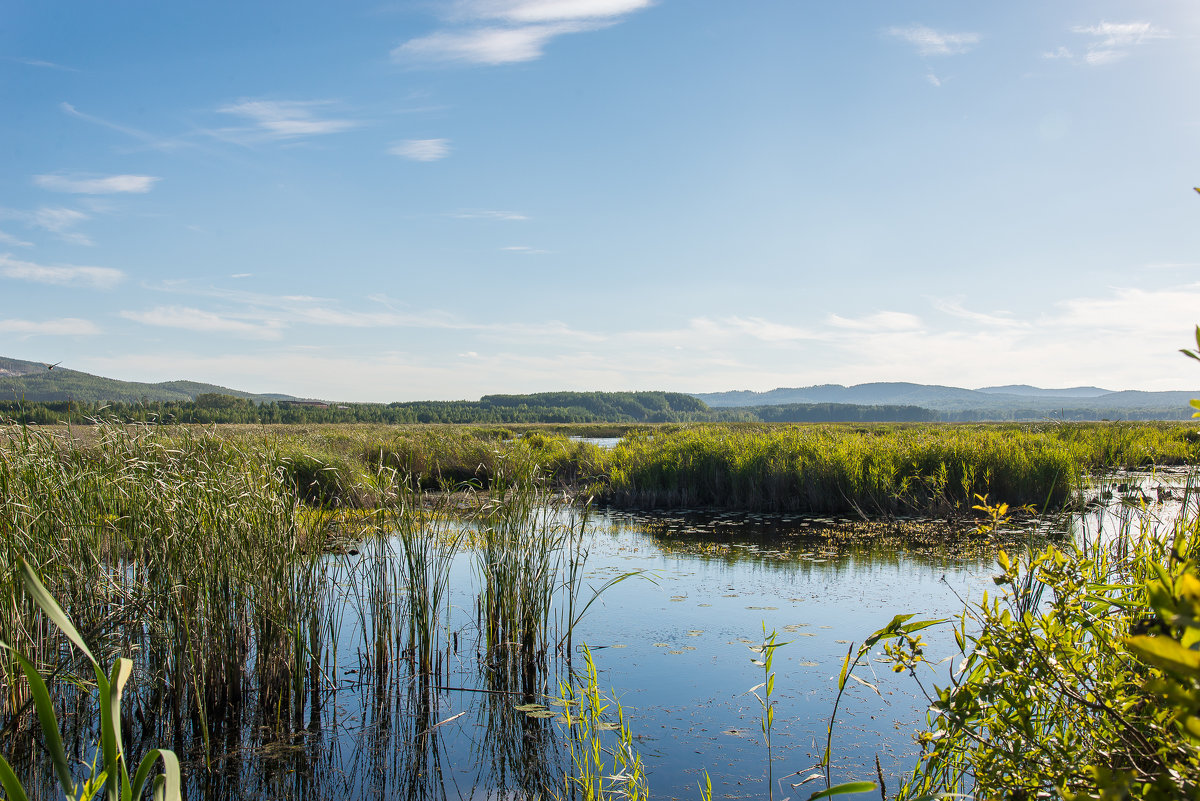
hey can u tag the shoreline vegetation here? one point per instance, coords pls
(201, 551)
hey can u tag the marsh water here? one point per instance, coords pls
(672, 643)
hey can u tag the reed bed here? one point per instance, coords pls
(184, 550)
(880, 470)
(213, 560)
(529, 557)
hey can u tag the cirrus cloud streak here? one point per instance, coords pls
(62, 326)
(60, 275)
(96, 184)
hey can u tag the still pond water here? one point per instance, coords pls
(673, 646)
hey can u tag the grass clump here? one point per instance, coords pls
(839, 469)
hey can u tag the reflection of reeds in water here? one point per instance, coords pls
(521, 753)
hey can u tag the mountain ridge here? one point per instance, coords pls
(1022, 400)
(35, 381)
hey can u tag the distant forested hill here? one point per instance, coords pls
(32, 381)
(550, 407)
(1014, 402)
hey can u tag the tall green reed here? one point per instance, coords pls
(180, 547)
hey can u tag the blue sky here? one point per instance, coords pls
(447, 198)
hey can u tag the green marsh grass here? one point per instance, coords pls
(184, 549)
(880, 470)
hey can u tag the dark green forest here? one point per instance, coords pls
(548, 407)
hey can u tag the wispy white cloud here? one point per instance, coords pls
(537, 11)
(191, 319)
(61, 326)
(1001, 319)
(284, 311)
(766, 330)
(59, 275)
(489, 215)
(880, 321)
(57, 220)
(930, 42)
(421, 149)
(150, 140)
(96, 184)
(525, 249)
(510, 31)
(1111, 41)
(49, 65)
(1123, 34)
(9, 239)
(1162, 312)
(281, 120)
(489, 46)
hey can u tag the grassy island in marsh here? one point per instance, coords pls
(870, 470)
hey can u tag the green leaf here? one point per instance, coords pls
(845, 667)
(922, 624)
(45, 712)
(844, 788)
(1167, 654)
(166, 786)
(122, 669)
(42, 597)
(8, 780)
(108, 740)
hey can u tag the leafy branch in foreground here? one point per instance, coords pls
(1053, 697)
(112, 776)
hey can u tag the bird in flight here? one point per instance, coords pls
(52, 366)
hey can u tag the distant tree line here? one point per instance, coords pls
(547, 407)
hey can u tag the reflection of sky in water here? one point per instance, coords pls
(685, 666)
